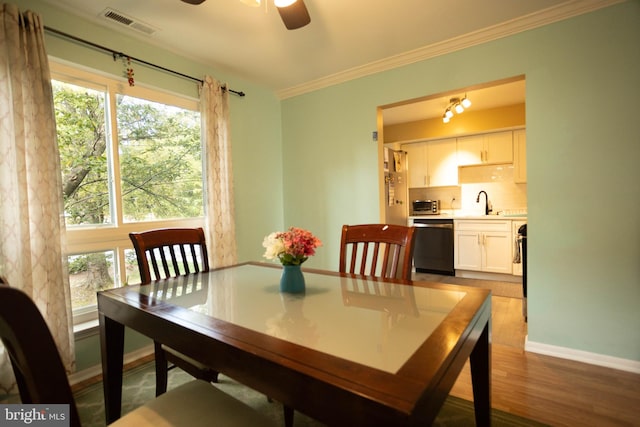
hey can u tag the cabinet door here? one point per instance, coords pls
(442, 163)
(470, 150)
(417, 164)
(497, 252)
(494, 147)
(498, 147)
(519, 156)
(468, 250)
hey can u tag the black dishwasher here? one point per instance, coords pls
(433, 251)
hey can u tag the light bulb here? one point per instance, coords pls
(252, 3)
(445, 119)
(459, 108)
(448, 113)
(284, 3)
(465, 102)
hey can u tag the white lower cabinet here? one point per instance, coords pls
(483, 245)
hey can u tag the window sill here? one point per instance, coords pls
(86, 329)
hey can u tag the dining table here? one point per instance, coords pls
(351, 350)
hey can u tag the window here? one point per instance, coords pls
(131, 160)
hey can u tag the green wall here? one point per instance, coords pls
(583, 150)
(310, 160)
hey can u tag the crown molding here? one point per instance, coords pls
(544, 17)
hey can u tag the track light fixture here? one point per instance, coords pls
(455, 104)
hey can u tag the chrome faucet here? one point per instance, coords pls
(486, 200)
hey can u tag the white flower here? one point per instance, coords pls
(274, 245)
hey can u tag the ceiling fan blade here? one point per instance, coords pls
(295, 15)
(193, 1)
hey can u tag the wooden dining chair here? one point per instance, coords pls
(41, 377)
(377, 250)
(172, 252)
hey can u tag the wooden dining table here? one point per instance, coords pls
(351, 350)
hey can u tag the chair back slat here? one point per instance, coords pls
(185, 265)
(387, 250)
(174, 261)
(374, 260)
(170, 252)
(194, 257)
(163, 258)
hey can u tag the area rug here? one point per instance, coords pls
(139, 387)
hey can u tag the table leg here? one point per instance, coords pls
(112, 349)
(481, 378)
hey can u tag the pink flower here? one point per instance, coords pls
(291, 247)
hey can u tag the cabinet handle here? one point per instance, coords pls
(478, 238)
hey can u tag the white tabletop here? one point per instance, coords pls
(379, 325)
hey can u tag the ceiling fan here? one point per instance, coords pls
(294, 13)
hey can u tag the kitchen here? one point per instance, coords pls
(462, 181)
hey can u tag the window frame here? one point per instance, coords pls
(82, 239)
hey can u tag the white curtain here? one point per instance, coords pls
(221, 234)
(32, 230)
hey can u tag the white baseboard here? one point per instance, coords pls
(95, 370)
(583, 356)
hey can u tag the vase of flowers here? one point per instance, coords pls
(291, 248)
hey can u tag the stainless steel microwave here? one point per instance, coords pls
(425, 207)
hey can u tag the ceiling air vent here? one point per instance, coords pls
(128, 21)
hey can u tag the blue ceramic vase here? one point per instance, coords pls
(292, 280)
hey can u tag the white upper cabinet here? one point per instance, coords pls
(494, 147)
(417, 164)
(432, 164)
(470, 150)
(442, 163)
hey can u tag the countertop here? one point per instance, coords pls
(462, 216)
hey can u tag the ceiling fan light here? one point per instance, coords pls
(465, 102)
(459, 108)
(295, 15)
(283, 3)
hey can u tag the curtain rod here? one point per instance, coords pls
(117, 54)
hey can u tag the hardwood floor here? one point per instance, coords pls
(550, 390)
